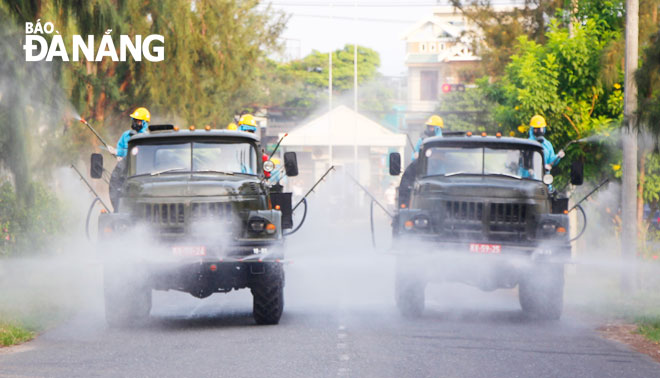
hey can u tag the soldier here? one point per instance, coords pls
(433, 127)
(140, 124)
(537, 132)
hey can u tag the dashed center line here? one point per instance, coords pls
(344, 356)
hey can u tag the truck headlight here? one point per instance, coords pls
(269, 166)
(421, 221)
(257, 224)
(549, 229)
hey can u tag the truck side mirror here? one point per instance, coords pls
(577, 173)
(96, 166)
(395, 164)
(290, 164)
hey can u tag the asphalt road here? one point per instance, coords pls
(340, 320)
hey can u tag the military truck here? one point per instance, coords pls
(481, 210)
(194, 213)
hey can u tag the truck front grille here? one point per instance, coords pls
(164, 213)
(508, 213)
(465, 220)
(464, 211)
(205, 210)
(175, 214)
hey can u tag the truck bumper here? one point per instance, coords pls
(204, 278)
(201, 270)
(437, 261)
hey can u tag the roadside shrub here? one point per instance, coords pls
(28, 228)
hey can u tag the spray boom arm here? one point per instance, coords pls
(91, 189)
(98, 136)
(313, 187)
(277, 146)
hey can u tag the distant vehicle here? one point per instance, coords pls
(211, 223)
(479, 210)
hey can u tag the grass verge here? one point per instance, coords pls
(649, 327)
(12, 334)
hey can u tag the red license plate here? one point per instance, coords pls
(187, 251)
(490, 249)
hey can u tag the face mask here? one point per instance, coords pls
(429, 131)
(539, 133)
(136, 125)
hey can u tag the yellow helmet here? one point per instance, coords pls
(538, 122)
(141, 114)
(276, 161)
(247, 119)
(232, 126)
(435, 120)
(247, 123)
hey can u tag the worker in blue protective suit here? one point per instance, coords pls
(537, 131)
(140, 124)
(141, 118)
(433, 127)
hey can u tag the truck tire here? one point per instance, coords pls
(409, 295)
(127, 301)
(541, 292)
(268, 297)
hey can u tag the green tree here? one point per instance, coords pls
(468, 111)
(497, 31)
(309, 77)
(561, 80)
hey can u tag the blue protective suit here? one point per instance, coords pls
(418, 146)
(549, 155)
(122, 144)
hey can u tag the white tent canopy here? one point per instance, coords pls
(343, 127)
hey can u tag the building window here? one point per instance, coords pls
(422, 47)
(442, 46)
(428, 86)
(432, 47)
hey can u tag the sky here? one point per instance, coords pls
(316, 25)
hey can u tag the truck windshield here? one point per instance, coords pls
(518, 163)
(193, 157)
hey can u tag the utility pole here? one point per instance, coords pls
(629, 134)
(330, 158)
(355, 98)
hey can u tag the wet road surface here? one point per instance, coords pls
(340, 320)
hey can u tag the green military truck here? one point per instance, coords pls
(193, 212)
(481, 210)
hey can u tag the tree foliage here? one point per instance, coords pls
(467, 111)
(310, 78)
(497, 30)
(561, 80)
(215, 57)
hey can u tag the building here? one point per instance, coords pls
(438, 48)
(347, 140)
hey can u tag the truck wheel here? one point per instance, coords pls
(409, 297)
(268, 298)
(541, 292)
(127, 301)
